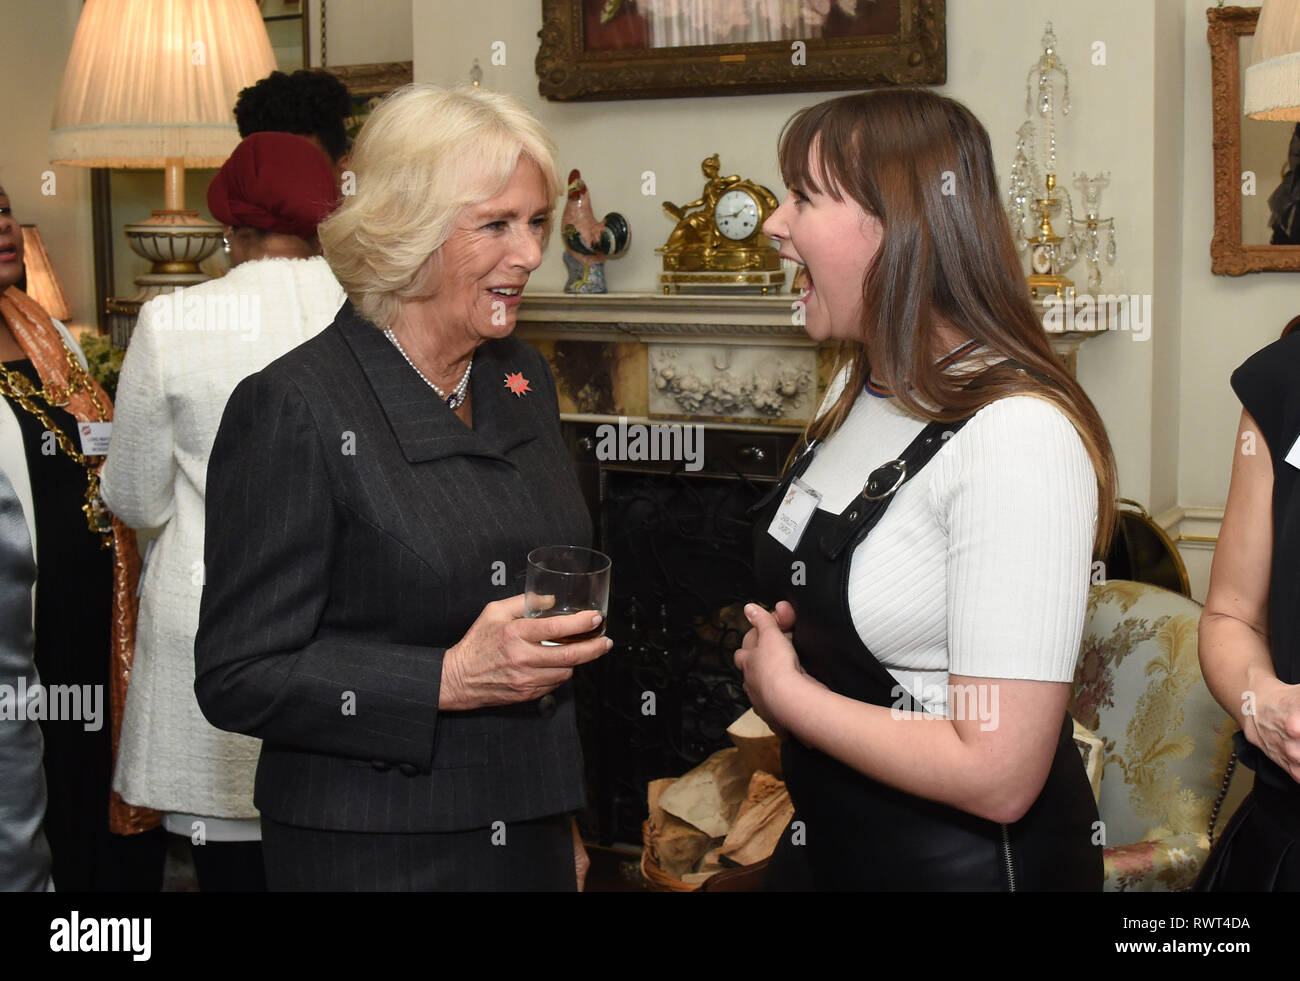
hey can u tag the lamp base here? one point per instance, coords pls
(175, 242)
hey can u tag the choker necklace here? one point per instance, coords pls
(458, 394)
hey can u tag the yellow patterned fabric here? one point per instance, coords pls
(1165, 740)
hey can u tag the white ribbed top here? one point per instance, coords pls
(981, 565)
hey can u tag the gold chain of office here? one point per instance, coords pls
(16, 386)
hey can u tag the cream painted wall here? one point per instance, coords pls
(33, 48)
(1167, 295)
(1225, 319)
(991, 44)
(359, 32)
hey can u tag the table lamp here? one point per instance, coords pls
(1273, 74)
(153, 83)
(42, 284)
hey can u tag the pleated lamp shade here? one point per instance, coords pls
(1273, 75)
(153, 82)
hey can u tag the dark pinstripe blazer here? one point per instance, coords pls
(355, 529)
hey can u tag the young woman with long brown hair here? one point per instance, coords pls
(931, 547)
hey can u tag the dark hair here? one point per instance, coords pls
(310, 102)
(1293, 323)
(922, 164)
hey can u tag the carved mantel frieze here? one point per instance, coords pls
(744, 359)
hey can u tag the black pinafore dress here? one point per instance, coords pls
(852, 832)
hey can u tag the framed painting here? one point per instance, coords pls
(367, 84)
(651, 49)
(1244, 239)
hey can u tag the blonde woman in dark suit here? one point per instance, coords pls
(365, 493)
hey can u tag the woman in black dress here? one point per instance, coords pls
(1250, 630)
(85, 565)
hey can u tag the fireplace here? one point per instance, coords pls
(660, 701)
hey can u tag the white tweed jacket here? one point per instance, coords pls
(188, 352)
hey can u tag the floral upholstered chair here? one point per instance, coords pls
(1166, 742)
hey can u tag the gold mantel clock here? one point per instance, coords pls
(718, 244)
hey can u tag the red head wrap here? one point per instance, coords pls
(277, 182)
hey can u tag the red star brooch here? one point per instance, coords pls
(517, 383)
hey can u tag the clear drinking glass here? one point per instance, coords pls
(565, 579)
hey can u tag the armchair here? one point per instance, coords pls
(1166, 741)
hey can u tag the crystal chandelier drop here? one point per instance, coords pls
(1088, 231)
(1035, 196)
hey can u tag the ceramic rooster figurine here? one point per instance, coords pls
(588, 242)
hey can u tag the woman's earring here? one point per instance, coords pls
(225, 244)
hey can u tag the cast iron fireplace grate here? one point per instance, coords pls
(660, 702)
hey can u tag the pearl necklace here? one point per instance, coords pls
(458, 394)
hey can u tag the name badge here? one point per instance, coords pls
(95, 437)
(1293, 457)
(794, 514)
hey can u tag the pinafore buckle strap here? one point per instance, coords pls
(883, 483)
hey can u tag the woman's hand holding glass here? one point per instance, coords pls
(501, 659)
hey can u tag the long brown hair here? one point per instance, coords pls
(922, 164)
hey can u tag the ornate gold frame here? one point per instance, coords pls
(369, 81)
(566, 71)
(1228, 256)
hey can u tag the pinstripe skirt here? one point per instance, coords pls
(522, 856)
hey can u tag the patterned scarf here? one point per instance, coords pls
(36, 334)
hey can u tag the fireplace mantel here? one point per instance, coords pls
(697, 319)
(653, 354)
(741, 360)
(679, 318)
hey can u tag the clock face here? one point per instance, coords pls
(1040, 259)
(736, 215)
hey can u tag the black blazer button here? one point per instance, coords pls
(546, 706)
(381, 766)
(407, 769)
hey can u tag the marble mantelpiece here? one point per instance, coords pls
(742, 360)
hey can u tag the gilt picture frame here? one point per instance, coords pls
(652, 49)
(368, 84)
(1229, 254)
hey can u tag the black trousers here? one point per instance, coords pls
(228, 866)
(523, 856)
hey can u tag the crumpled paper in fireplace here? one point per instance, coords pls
(728, 811)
